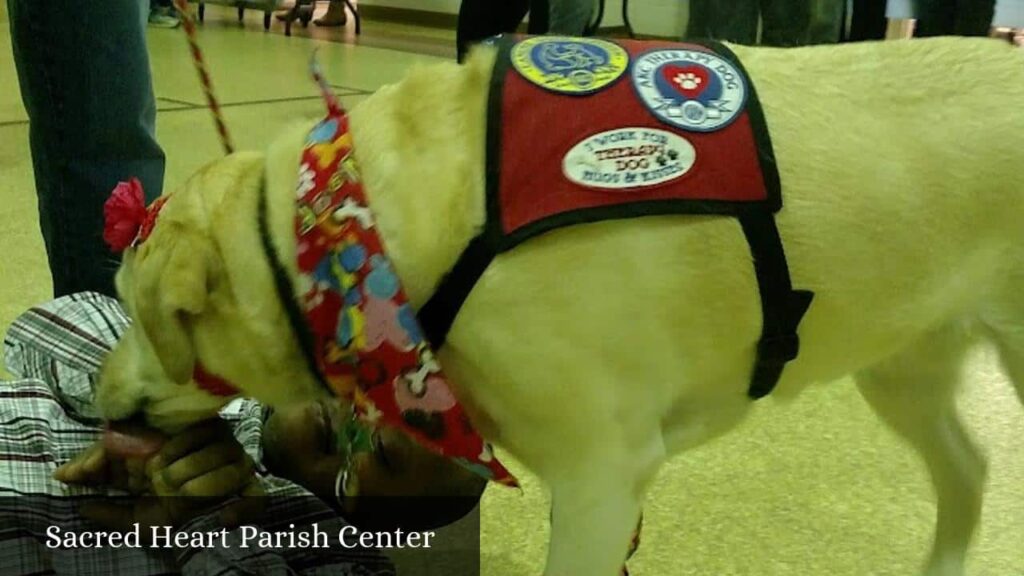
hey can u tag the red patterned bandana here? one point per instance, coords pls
(368, 343)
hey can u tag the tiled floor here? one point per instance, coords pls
(816, 487)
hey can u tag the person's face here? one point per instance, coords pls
(300, 443)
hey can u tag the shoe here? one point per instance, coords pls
(334, 17)
(162, 18)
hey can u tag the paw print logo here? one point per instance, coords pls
(688, 80)
(665, 157)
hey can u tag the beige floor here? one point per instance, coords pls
(817, 487)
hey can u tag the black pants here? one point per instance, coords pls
(868, 20)
(86, 85)
(954, 17)
(481, 19)
(783, 22)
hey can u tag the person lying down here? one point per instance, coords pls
(51, 448)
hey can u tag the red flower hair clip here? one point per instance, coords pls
(127, 220)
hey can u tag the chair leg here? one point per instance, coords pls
(306, 9)
(355, 15)
(625, 19)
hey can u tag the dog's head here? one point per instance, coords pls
(200, 292)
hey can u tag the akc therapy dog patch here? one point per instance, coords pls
(689, 89)
(566, 65)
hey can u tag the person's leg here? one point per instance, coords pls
(481, 19)
(570, 17)
(868, 22)
(86, 85)
(974, 17)
(785, 22)
(736, 22)
(935, 17)
(335, 15)
(540, 11)
(826, 21)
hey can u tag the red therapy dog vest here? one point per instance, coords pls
(582, 130)
(657, 125)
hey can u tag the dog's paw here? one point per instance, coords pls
(950, 565)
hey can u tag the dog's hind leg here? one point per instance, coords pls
(914, 393)
(1004, 319)
(595, 510)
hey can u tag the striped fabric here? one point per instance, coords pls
(46, 418)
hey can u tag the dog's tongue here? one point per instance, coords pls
(131, 440)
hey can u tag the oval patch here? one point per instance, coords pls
(690, 89)
(628, 158)
(567, 65)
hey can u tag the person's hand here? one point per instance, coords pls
(98, 466)
(201, 467)
(191, 472)
(102, 464)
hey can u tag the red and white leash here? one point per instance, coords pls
(204, 76)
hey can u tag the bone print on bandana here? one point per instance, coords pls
(368, 344)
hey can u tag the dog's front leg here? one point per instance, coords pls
(591, 526)
(595, 510)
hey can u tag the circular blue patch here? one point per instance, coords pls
(569, 65)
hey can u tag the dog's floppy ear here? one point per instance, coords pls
(172, 279)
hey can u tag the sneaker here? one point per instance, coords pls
(162, 18)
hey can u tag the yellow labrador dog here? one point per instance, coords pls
(900, 168)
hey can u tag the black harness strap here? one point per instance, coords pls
(438, 314)
(782, 308)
